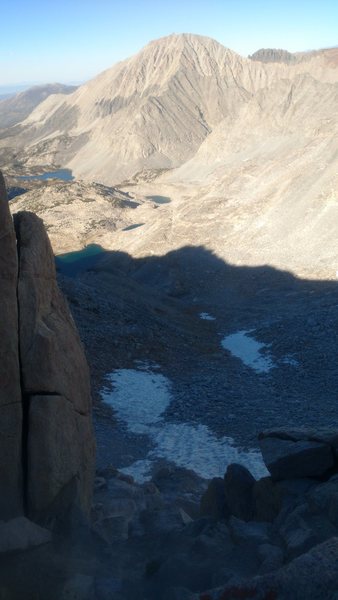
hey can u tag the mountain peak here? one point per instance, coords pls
(188, 44)
(184, 38)
(153, 111)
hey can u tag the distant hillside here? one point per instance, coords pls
(153, 111)
(15, 108)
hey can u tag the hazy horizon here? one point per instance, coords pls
(20, 86)
(73, 42)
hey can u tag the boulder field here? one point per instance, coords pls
(287, 522)
(176, 537)
(179, 537)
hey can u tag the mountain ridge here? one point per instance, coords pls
(243, 153)
(18, 106)
(151, 111)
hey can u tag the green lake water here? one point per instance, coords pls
(76, 262)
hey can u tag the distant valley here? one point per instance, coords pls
(203, 213)
(247, 141)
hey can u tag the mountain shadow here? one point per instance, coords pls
(149, 309)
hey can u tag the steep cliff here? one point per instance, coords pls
(46, 437)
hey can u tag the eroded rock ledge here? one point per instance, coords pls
(46, 438)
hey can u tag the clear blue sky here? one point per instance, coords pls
(73, 40)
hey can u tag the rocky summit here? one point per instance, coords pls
(154, 110)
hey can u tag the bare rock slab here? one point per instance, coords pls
(52, 356)
(286, 459)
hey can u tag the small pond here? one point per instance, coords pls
(160, 199)
(63, 174)
(76, 262)
(131, 227)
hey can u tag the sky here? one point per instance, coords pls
(73, 40)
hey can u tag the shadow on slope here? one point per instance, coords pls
(148, 309)
(196, 275)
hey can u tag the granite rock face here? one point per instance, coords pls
(60, 454)
(52, 359)
(11, 497)
(46, 439)
(56, 381)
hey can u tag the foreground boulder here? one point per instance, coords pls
(11, 496)
(55, 379)
(297, 454)
(232, 495)
(46, 438)
(51, 353)
(238, 489)
(213, 500)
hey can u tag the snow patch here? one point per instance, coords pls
(246, 348)
(289, 360)
(140, 397)
(206, 317)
